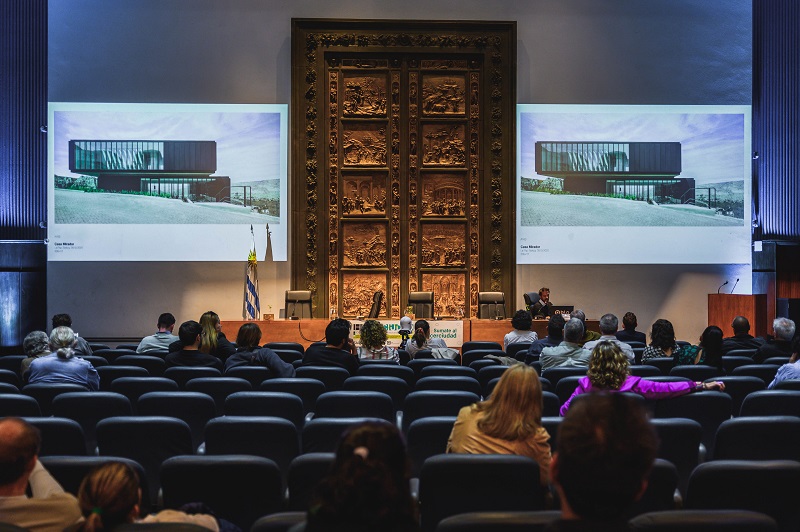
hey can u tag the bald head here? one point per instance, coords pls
(19, 445)
(740, 325)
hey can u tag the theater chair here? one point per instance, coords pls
(421, 304)
(491, 305)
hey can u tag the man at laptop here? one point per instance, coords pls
(542, 308)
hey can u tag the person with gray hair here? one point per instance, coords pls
(62, 366)
(568, 353)
(588, 335)
(781, 344)
(608, 329)
(36, 345)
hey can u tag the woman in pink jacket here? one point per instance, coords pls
(609, 372)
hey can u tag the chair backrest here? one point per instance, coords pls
(130, 347)
(306, 389)
(219, 388)
(481, 363)
(421, 304)
(565, 387)
(758, 438)
(778, 361)
(491, 305)
(108, 374)
(418, 363)
(679, 443)
(388, 370)
(551, 404)
(9, 377)
(350, 404)
(749, 353)
(467, 384)
(420, 404)
(505, 521)
(771, 403)
(288, 355)
(703, 520)
(240, 489)
(298, 303)
(183, 374)
(60, 436)
(731, 362)
(768, 487)
(322, 435)
(305, 472)
(18, 405)
(294, 346)
(709, 409)
(255, 375)
(699, 372)
(473, 474)
(193, 408)
(12, 362)
(477, 354)
(154, 365)
(87, 408)
(739, 387)
(110, 354)
(488, 373)
(448, 370)
(394, 387)
(44, 393)
(272, 404)
(645, 370)
(133, 387)
(659, 495)
(277, 522)
(788, 384)
(95, 346)
(480, 344)
(518, 350)
(665, 364)
(765, 372)
(427, 437)
(556, 374)
(332, 377)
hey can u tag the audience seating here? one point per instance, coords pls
(350, 404)
(480, 344)
(97, 347)
(131, 347)
(134, 387)
(698, 372)
(447, 370)
(479, 364)
(765, 372)
(499, 521)
(789, 384)
(644, 370)
(394, 387)
(332, 377)
(289, 355)
(738, 387)
(155, 366)
(12, 362)
(421, 304)
(420, 404)
(660, 493)
(87, 408)
(665, 364)
(566, 386)
(556, 374)
(271, 437)
(239, 489)
(60, 436)
(638, 351)
(758, 438)
(772, 403)
(551, 404)
(708, 408)
(551, 424)
(518, 350)
(489, 388)
(778, 361)
(388, 370)
(749, 353)
(110, 354)
(703, 520)
(9, 377)
(322, 435)
(424, 354)
(183, 374)
(769, 487)
(467, 384)
(96, 361)
(255, 375)
(149, 440)
(218, 388)
(6, 388)
(293, 346)
(44, 394)
(418, 363)
(277, 522)
(477, 354)
(427, 437)
(271, 404)
(193, 408)
(108, 374)
(306, 389)
(679, 443)
(305, 472)
(487, 374)
(18, 405)
(452, 484)
(731, 362)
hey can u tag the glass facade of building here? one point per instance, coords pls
(584, 156)
(118, 155)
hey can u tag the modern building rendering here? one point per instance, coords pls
(180, 169)
(645, 170)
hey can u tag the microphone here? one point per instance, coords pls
(734, 285)
(294, 306)
(720, 286)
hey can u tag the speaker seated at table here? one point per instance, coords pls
(491, 305)
(298, 304)
(421, 304)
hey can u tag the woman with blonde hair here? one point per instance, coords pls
(212, 340)
(509, 422)
(609, 371)
(373, 342)
(110, 496)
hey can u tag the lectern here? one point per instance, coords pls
(722, 308)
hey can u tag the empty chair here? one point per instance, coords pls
(665, 364)
(427, 437)
(551, 424)
(219, 388)
(273, 404)
(731, 362)
(60, 436)
(638, 351)
(480, 344)
(130, 347)
(154, 365)
(193, 408)
(697, 372)
(305, 472)
(789, 384)
(660, 493)
(491, 305)
(134, 387)
(518, 350)
(768, 487)
(778, 361)
(9, 377)
(467, 384)
(418, 363)
(147, 440)
(447, 370)
(556, 374)
(388, 370)
(478, 365)
(487, 374)
(183, 374)
(44, 393)
(108, 374)
(551, 404)
(240, 489)
(95, 360)
(11, 362)
(110, 354)
(457, 483)
(350, 404)
(708, 408)
(425, 354)
(94, 346)
(394, 387)
(499, 521)
(294, 346)
(332, 377)
(644, 370)
(255, 375)
(758, 438)
(739, 387)
(306, 389)
(421, 304)
(18, 405)
(565, 387)
(478, 354)
(772, 403)
(271, 437)
(679, 443)
(322, 435)
(298, 303)
(87, 408)
(765, 372)
(420, 404)
(6, 388)
(703, 520)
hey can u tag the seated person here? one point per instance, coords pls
(629, 332)
(81, 346)
(158, 343)
(741, 338)
(189, 334)
(608, 328)
(339, 350)
(509, 422)
(110, 496)
(606, 448)
(49, 508)
(555, 335)
(707, 352)
(35, 345)
(213, 341)
(588, 335)
(568, 353)
(790, 371)
(781, 344)
(662, 341)
(62, 366)
(373, 343)
(422, 339)
(522, 333)
(250, 354)
(542, 307)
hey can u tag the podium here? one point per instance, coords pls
(722, 308)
